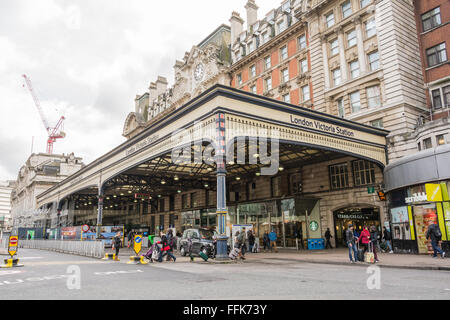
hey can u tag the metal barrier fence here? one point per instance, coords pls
(83, 248)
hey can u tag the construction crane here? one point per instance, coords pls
(53, 133)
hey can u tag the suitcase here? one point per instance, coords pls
(360, 252)
(369, 257)
(234, 254)
(203, 256)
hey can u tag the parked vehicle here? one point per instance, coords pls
(202, 241)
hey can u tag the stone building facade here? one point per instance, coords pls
(40, 172)
(6, 188)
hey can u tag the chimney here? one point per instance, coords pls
(152, 92)
(252, 13)
(161, 85)
(236, 26)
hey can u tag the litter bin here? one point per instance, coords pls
(316, 244)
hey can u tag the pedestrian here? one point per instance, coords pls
(117, 243)
(273, 240)
(351, 244)
(266, 241)
(300, 237)
(238, 244)
(242, 240)
(364, 238)
(328, 236)
(171, 242)
(130, 238)
(434, 234)
(165, 249)
(374, 241)
(387, 238)
(251, 240)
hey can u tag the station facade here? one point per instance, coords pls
(325, 92)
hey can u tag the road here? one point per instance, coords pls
(49, 275)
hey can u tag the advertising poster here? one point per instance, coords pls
(399, 215)
(424, 216)
(71, 233)
(107, 233)
(447, 210)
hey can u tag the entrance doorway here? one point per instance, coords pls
(356, 216)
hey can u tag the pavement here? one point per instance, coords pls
(330, 256)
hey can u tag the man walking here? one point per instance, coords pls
(328, 236)
(117, 243)
(351, 243)
(434, 233)
(251, 240)
(241, 240)
(387, 238)
(273, 240)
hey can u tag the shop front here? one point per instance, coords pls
(413, 210)
(358, 217)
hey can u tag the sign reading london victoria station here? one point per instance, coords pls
(317, 125)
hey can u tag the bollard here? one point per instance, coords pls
(137, 260)
(11, 263)
(111, 256)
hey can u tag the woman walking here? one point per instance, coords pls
(165, 249)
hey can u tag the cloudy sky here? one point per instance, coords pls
(87, 60)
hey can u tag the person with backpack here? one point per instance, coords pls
(351, 244)
(117, 243)
(434, 233)
(165, 249)
(374, 241)
(273, 240)
(328, 236)
(387, 238)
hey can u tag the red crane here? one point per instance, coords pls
(53, 133)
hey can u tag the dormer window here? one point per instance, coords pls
(281, 26)
(265, 37)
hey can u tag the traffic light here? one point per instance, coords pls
(381, 195)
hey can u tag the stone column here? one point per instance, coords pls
(326, 71)
(100, 210)
(360, 43)
(343, 61)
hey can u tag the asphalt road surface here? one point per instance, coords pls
(55, 276)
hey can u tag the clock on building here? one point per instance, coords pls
(199, 72)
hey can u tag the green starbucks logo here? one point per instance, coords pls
(313, 225)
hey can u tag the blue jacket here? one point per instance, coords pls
(272, 236)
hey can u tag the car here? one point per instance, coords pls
(202, 241)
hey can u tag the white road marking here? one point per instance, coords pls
(30, 258)
(5, 273)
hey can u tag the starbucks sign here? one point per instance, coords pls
(313, 225)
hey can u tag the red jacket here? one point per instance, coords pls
(165, 247)
(364, 237)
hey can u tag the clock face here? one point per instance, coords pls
(199, 71)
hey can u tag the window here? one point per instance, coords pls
(238, 54)
(253, 89)
(193, 199)
(431, 19)
(440, 140)
(161, 205)
(351, 38)
(340, 106)
(304, 66)
(239, 78)
(355, 101)
(268, 84)
(364, 3)
(285, 75)
(287, 98)
(418, 146)
(354, 69)
(336, 76)
(436, 55)
(265, 37)
(330, 20)
(253, 71)
(346, 9)
(267, 62)
(296, 183)
(161, 222)
(284, 53)
(184, 202)
(276, 186)
(446, 91)
(339, 176)
(427, 143)
(334, 47)
(371, 28)
(302, 42)
(305, 93)
(377, 123)
(251, 47)
(436, 96)
(374, 62)
(373, 97)
(363, 172)
(281, 26)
